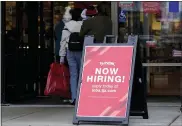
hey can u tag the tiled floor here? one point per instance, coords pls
(159, 115)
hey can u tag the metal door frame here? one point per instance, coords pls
(114, 17)
(2, 39)
(161, 64)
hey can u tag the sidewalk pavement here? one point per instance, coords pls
(159, 115)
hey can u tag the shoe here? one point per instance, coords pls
(73, 103)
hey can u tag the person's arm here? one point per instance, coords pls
(63, 43)
(85, 28)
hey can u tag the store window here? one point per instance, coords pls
(158, 25)
(10, 15)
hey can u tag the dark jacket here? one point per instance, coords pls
(58, 34)
(99, 26)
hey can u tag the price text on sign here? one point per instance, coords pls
(105, 81)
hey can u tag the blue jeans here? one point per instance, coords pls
(74, 62)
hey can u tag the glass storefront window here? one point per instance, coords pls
(158, 25)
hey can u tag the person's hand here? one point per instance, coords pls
(61, 63)
(61, 60)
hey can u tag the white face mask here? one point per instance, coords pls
(83, 14)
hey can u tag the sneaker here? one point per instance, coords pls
(72, 102)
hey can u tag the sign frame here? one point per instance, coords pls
(111, 120)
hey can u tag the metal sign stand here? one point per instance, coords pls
(139, 93)
(181, 91)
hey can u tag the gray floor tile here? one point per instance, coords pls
(178, 122)
(9, 113)
(159, 116)
(47, 116)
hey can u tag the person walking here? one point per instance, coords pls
(99, 25)
(68, 47)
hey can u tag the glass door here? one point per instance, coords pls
(46, 55)
(9, 43)
(20, 53)
(50, 13)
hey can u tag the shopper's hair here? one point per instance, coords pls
(102, 8)
(76, 14)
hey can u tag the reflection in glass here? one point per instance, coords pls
(164, 29)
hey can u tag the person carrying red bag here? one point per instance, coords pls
(70, 46)
(58, 81)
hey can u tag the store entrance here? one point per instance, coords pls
(28, 49)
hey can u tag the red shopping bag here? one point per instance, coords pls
(58, 81)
